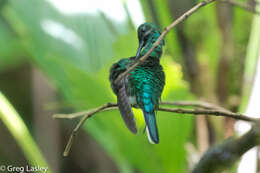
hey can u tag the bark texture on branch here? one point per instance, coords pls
(223, 156)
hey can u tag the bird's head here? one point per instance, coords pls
(147, 33)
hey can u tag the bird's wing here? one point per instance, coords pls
(125, 108)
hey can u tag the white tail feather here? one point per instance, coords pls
(149, 136)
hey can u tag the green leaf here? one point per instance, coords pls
(18, 129)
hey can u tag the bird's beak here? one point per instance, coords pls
(141, 45)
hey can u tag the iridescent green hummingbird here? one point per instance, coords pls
(142, 87)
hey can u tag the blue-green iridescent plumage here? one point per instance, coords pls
(143, 86)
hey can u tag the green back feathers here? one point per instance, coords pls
(148, 75)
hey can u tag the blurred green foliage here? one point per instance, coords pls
(80, 70)
(18, 129)
(79, 67)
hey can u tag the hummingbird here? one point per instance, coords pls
(142, 87)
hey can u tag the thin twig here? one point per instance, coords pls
(81, 122)
(176, 22)
(206, 109)
(80, 114)
(236, 116)
(197, 104)
(242, 5)
(166, 30)
(70, 116)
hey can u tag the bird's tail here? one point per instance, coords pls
(150, 120)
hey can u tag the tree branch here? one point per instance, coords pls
(87, 114)
(203, 108)
(105, 107)
(222, 156)
(236, 116)
(198, 104)
(166, 30)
